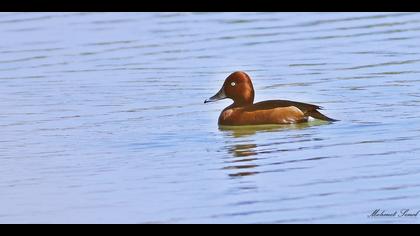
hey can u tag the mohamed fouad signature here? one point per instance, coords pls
(409, 213)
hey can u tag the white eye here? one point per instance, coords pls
(233, 84)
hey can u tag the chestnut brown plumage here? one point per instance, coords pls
(238, 87)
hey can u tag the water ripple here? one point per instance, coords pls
(107, 108)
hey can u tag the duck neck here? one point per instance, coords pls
(244, 101)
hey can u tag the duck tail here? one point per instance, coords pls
(318, 115)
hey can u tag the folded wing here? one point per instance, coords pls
(306, 108)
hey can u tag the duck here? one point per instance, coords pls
(238, 87)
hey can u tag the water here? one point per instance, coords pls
(102, 118)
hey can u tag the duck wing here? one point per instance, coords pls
(306, 108)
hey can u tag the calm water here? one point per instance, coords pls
(102, 118)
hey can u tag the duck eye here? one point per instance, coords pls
(233, 84)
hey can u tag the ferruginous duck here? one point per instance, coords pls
(238, 87)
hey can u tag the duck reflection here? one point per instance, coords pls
(243, 131)
(242, 164)
(242, 150)
(245, 154)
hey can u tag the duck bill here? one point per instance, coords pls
(219, 96)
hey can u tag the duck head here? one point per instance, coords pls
(238, 87)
